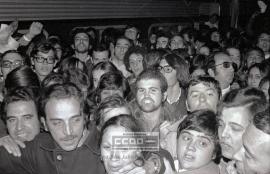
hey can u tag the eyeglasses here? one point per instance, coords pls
(226, 65)
(166, 69)
(9, 64)
(49, 60)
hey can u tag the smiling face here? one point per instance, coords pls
(65, 122)
(115, 159)
(149, 95)
(22, 120)
(232, 125)
(194, 149)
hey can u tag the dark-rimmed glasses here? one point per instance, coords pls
(49, 60)
(166, 68)
(9, 64)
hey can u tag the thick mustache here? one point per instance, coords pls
(67, 138)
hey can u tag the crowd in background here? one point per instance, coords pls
(204, 91)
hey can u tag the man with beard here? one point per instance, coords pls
(221, 67)
(147, 108)
(82, 43)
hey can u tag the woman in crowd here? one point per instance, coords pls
(110, 107)
(118, 159)
(176, 71)
(111, 83)
(22, 76)
(100, 69)
(256, 73)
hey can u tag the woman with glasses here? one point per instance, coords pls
(43, 59)
(130, 158)
(176, 71)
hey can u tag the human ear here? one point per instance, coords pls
(211, 72)
(165, 94)
(43, 122)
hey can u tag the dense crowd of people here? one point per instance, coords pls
(202, 93)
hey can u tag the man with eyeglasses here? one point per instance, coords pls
(10, 60)
(221, 67)
(43, 58)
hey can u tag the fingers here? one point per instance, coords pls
(137, 170)
(127, 168)
(165, 124)
(10, 145)
(20, 143)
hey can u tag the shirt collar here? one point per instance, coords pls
(47, 142)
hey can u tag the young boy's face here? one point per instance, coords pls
(194, 149)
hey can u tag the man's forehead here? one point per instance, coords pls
(265, 35)
(44, 54)
(149, 83)
(202, 86)
(222, 57)
(122, 41)
(132, 29)
(12, 56)
(81, 35)
(162, 38)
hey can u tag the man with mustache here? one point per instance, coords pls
(147, 108)
(69, 147)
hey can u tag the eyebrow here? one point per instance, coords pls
(55, 119)
(232, 123)
(201, 136)
(11, 116)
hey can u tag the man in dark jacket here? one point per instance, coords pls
(69, 148)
